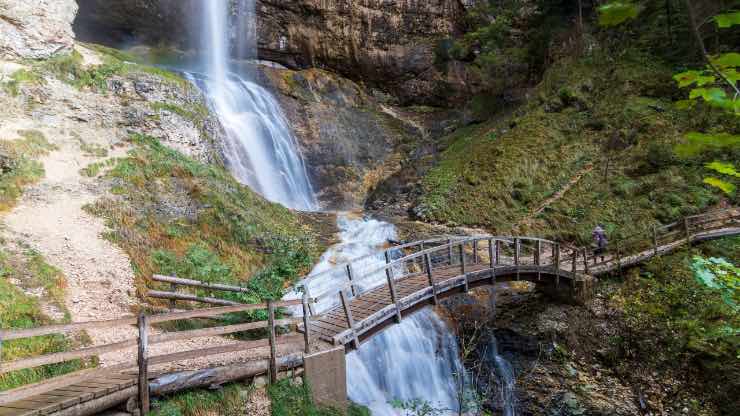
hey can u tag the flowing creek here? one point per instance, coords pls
(415, 360)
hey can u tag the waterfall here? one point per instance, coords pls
(260, 148)
(504, 374)
(417, 359)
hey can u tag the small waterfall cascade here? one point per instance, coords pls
(417, 359)
(260, 147)
(504, 374)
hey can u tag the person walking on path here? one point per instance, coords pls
(600, 241)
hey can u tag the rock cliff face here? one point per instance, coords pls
(384, 43)
(36, 29)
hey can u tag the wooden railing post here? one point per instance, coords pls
(449, 251)
(392, 288)
(350, 277)
(517, 253)
(462, 258)
(498, 252)
(430, 276)
(538, 250)
(475, 251)
(273, 343)
(585, 260)
(575, 260)
(619, 258)
(688, 233)
(492, 259)
(306, 323)
(307, 291)
(556, 256)
(173, 302)
(143, 362)
(655, 241)
(350, 322)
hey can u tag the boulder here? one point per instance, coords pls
(36, 29)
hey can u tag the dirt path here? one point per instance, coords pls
(557, 196)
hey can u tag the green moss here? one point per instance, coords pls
(498, 173)
(178, 216)
(20, 168)
(18, 310)
(17, 79)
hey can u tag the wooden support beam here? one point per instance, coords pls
(307, 291)
(174, 280)
(143, 359)
(517, 253)
(430, 276)
(556, 258)
(538, 251)
(350, 321)
(306, 324)
(350, 277)
(462, 258)
(575, 260)
(392, 287)
(273, 343)
(655, 241)
(190, 298)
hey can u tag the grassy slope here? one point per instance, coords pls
(176, 216)
(497, 173)
(20, 310)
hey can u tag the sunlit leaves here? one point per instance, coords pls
(727, 20)
(721, 275)
(727, 60)
(724, 168)
(687, 78)
(699, 142)
(617, 12)
(724, 186)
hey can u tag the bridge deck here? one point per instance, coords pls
(65, 397)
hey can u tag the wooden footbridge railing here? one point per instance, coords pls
(340, 306)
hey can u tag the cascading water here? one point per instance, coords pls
(505, 376)
(260, 147)
(415, 360)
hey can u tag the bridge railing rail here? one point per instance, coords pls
(656, 238)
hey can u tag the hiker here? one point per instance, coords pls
(600, 241)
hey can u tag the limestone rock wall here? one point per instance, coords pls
(36, 29)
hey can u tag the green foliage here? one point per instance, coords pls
(727, 20)
(17, 79)
(292, 399)
(417, 407)
(685, 314)
(229, 401)
(20, 168)
(724, 186)
(720, 275)
(617, 12)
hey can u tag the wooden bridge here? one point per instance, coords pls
(363, 297)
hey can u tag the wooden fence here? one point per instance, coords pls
(145, 339)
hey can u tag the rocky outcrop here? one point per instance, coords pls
(36, 29)
(349, 142)
(386, 44)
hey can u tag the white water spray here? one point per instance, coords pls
(260, 148)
